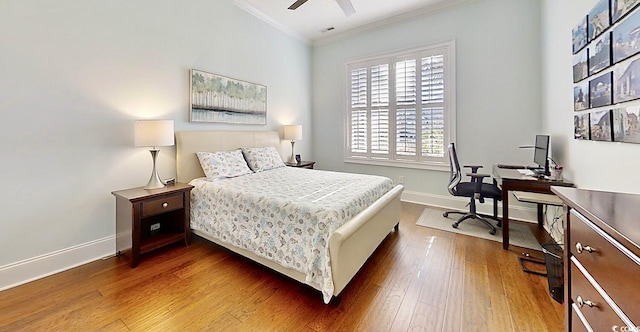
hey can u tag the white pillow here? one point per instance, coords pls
(223, 164)
(263, 159)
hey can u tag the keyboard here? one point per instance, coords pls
(511, 166)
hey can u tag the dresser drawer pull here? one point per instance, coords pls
(165, 204)
(580, 248)
(582, 302)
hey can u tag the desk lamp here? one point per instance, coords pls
(292, 133)
(154, 133)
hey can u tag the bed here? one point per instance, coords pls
(348, 246)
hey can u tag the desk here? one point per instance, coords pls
(510, 180)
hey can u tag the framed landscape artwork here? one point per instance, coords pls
(581, 96)
(598, 19)
(620, 8)
(626, 82)
(600, 54)
(580, 35)
(216, 98)
(581, 126)
(626, 124)
(600, 127)
(580, 67)
(600, 91)
(626, 38)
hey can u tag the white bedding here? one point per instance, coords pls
(286, 214)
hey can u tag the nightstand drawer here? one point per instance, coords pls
(160, 205)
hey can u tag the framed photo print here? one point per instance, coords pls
(580, 35)
(600, 54)
(580, 66)
(581, 96)
(600, 127)
(600, 91)
(620, 8)
(581, 126)
(216, 98)
(626, 124)
(598, 19)
(626, 38)
(626, 81)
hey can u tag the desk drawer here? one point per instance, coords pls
(600, 316)
(614, 268)
(161, 205)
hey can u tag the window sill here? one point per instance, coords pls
(401, 164)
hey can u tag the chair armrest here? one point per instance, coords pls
(474, 168)
(475, 176)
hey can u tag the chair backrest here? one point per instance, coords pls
(455, 175)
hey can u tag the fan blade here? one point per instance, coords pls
(297, 4)
(347, 7)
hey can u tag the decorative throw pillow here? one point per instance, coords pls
(223, 164)
(263, 159)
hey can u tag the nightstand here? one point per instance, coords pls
(148, 219)
(302, 164)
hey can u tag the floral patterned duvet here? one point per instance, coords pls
(285, 214)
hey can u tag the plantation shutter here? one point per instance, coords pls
(432, 112)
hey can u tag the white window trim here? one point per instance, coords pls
(449, 114)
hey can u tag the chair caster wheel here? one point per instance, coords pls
(492, 232)
(499, 224)
(446, 214)
(454, 225)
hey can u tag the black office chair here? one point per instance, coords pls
(475, 190)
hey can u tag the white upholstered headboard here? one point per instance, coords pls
(190, 142)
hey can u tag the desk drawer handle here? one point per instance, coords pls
(582, 302)
(165, 204)
(580, 248)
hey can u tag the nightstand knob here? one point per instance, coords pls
(165, 204)
(580, 248)
(582, 302)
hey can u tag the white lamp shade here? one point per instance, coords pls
(154, 133)
(293, 132)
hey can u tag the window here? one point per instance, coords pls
(401, 108)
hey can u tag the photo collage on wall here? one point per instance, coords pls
(606, 72)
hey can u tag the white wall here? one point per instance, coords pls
(591, 165)
(76, 74)
(498, 85)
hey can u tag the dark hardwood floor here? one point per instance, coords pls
(419, 279)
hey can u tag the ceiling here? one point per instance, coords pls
(310, 21)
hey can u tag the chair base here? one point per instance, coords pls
(480, 217)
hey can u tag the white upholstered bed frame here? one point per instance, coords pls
(349, 246)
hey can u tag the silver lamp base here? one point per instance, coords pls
(154, 181)
(292, 160)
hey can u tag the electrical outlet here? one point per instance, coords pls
(155, 227)
(401, 179)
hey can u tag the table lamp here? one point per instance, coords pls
(292, 133)
(154, 133)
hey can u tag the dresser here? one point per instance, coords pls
(601, 260)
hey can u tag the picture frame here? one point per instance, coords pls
(626, 124)
(626, 38)
(600, 54)
(598, 20)
(580, 66)
(620, 8)
(581, 96)
(600, 91)
(581, 126)
(217, 98)
(626, 81)
(579, 34)
(600, 126)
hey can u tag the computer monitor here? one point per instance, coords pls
(541, 154)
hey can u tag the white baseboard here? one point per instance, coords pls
(459, 203)
(31, 269)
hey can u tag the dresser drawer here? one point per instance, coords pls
(160, 205)
(578, 322)
(615, 268)
(600, 316)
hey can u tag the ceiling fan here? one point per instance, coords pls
(346, 6)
